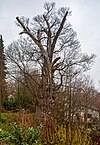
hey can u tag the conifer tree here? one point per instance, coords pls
(2, 71)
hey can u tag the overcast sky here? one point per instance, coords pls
(85, 20)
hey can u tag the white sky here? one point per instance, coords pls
(85, 20)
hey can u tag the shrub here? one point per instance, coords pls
(19, 101)
(26, 102)
(9, 104)
(3, 135)
(18, 136)
(65, 135)
(6, 119)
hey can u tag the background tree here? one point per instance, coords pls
(22, 71)
(2, 71)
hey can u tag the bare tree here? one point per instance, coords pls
(53, 49)
(22, 70)
(56, 41)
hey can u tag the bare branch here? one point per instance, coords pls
(59, 31)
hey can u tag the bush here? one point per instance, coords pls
(4, 117)
(19, 102)
(25, 102)
(18, 136)
(9, 104)
(3, 135)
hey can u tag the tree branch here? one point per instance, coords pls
(38, 43)
(59, 31)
